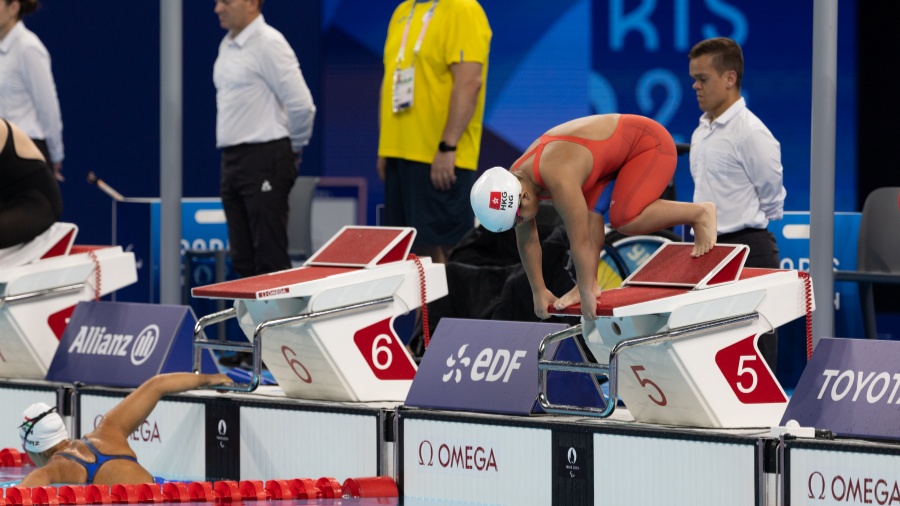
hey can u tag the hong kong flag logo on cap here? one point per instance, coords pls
(495, 200)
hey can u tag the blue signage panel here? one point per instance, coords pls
(639, 65)
(480, 365)
(850, 386)
(131, 230)
(137, 228)
(124, 344)
(792, 235)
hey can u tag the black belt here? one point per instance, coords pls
(737, 234)
(250, 145)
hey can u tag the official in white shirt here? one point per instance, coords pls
(27, 90)
(735, 160)
(265, 116)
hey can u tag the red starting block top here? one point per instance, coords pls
(630, 295)
(252, 287)
(672, 265)
(365, 247)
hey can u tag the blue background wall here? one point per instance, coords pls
(550, 62)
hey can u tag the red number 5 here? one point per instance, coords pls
(645, 382)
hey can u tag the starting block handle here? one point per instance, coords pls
(612, 369)
(51, 292)
(545, 366)
(256, 345)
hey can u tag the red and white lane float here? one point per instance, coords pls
(325, 330)
(681, 336)
(40, 284)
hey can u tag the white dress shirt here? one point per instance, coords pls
(260, 92)
(27, 91)
(736, 163)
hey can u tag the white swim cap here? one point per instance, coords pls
(495, 199)
(42, 428)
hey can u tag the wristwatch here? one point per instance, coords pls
(443, 147)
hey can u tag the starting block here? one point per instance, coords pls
(40, 284)
(55, 241)
(681, 336)
(325, 330)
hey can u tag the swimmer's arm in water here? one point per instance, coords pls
(41, 477)
(134, 409)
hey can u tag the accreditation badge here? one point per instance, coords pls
(403, 88)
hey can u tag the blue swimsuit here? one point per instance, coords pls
(99, 460)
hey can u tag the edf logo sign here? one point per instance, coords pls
(481, 365)
(488, 365)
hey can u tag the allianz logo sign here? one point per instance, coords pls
(489, 365)
(93, 340)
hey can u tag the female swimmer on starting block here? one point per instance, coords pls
(30, 200)
(618, 163)
(102, 456)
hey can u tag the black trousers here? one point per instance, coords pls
(763, 254)
(255, 186)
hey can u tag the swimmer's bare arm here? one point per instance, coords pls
(134, 409)
(40, 477)
(529, 245)
(569, 202)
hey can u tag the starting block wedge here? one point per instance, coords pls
(720, 266)
(678, 341)
(38, 296)
(55, 241)
(325, 330)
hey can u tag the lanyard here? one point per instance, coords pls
(425, 20)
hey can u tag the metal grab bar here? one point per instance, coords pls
(59, 290)
(256, 346)
(611, 370)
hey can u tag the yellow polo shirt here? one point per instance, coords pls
(458, 32)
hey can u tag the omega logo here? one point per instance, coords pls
(466, 457)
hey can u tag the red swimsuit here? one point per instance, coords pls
(639, 158)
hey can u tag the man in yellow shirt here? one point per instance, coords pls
(431, 113)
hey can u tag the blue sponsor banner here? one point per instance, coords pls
(137, 228)
(639, 65)
(792, 235)
(203, 228)
(482, 366)
(124, 344)
(850, 387)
